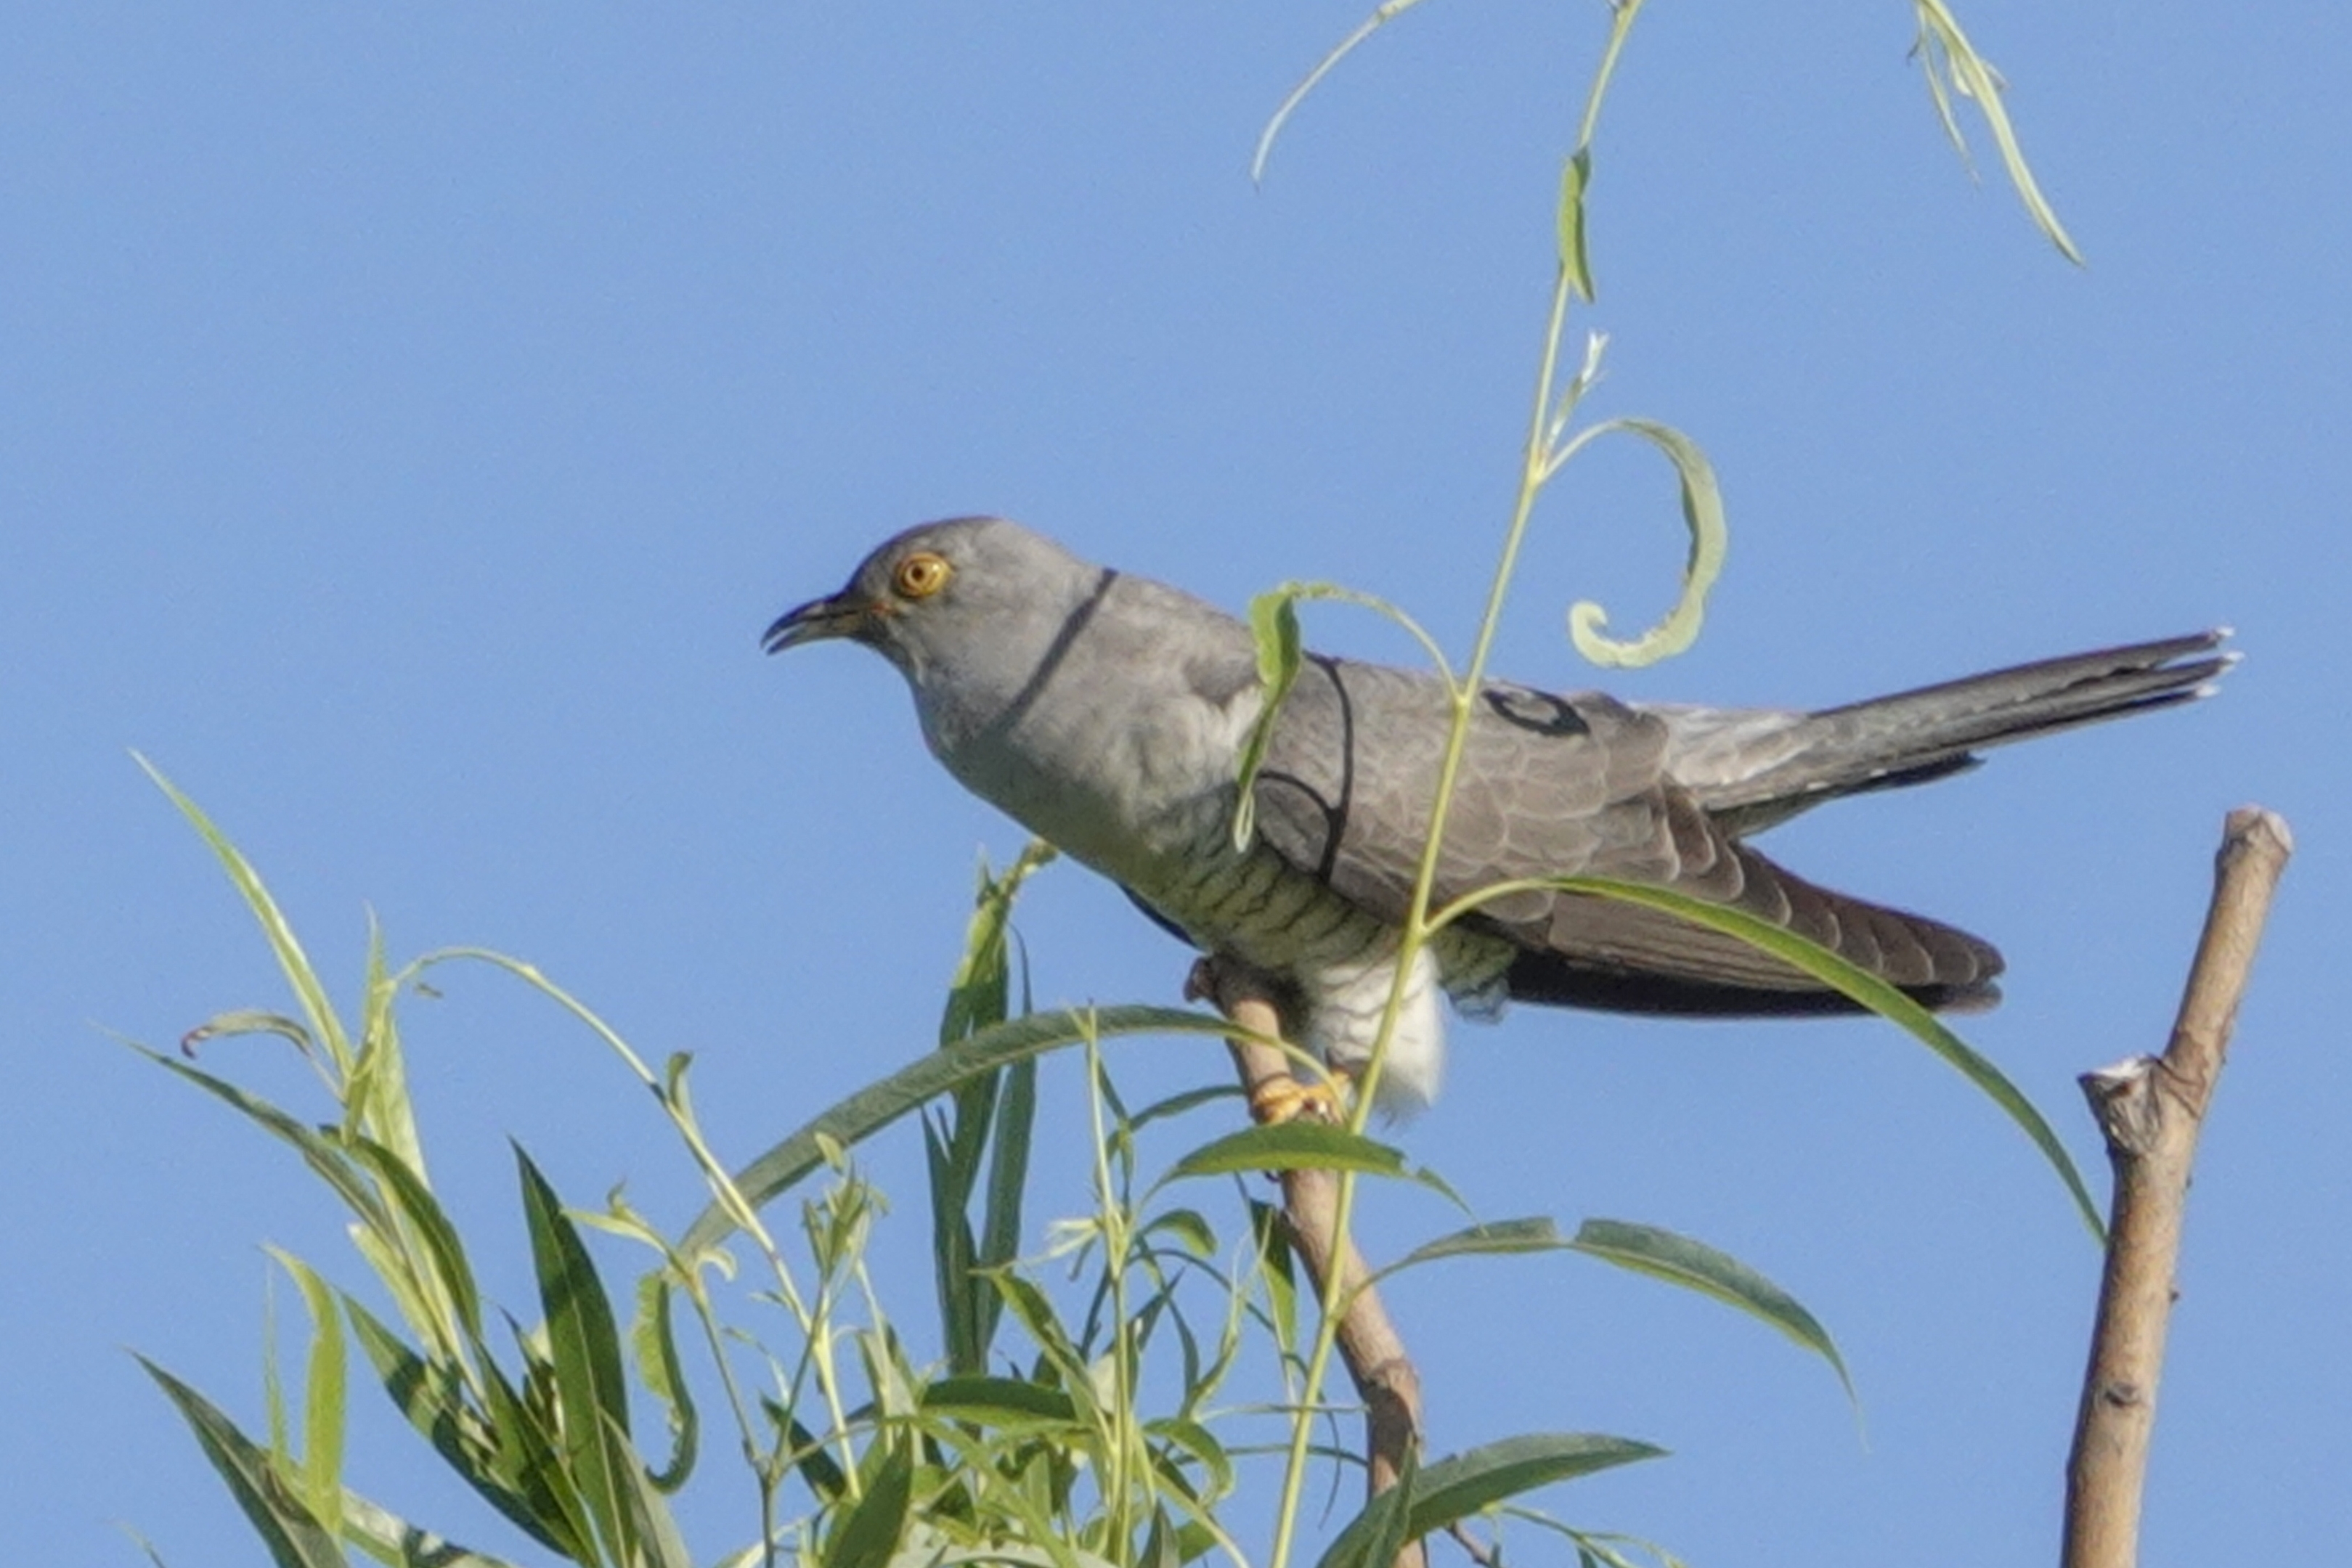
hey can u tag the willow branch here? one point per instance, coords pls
(2150, 1110)
(1367, 1338)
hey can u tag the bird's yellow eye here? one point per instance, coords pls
(920, 575)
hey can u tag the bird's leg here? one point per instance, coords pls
(1367, 1338)
(1277, 1093)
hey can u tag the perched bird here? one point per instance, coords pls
(1107, 713)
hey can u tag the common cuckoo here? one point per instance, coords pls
(1107, 713)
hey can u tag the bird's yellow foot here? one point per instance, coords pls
(1285, 1099)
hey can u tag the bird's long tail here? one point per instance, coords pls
(1915, 736)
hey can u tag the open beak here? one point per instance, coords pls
(842, 615)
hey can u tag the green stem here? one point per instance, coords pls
(1536, 467)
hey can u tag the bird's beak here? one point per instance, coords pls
(842, 615)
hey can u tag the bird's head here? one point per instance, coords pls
(979, 601)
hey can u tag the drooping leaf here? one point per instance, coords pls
(1499, 1238)
(1694, 1265)
(1837, 974)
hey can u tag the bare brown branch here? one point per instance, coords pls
(2150, 1110)
(1367, 1338)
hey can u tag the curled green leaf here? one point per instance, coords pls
(1702, 501)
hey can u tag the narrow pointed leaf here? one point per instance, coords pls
(294, 1538)
(431, 1399)
(1274, 625)
(1453, 1488)
(445, 1251)
(651, 1525)
(323, 1024)
(324, 1400)
(868, 1537)
(585, 1348)
(393, 1541)
(377, 1099)
(1499, 1238)
(321, 1153)
(1291, 1146)
(1574, 260)
(1386, 1519)
(879, 1105)
(1694, 1265)
(998, 1400)
(1862, 987)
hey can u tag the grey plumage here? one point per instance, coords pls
(1105, 712)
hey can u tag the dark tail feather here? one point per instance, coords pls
(1917, 736)
(1616, 957)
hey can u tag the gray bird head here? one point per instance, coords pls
(969, 609)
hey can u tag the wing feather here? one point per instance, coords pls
(1566, 786)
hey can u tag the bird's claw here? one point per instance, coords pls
(1285, 1099)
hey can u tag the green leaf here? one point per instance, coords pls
(294, 1537)
(1500, 1237)
(998, 1401)
(1861, 986)
(1702, 503)
(452, 1277)
(324, 1401)
(1454, 1489)
(393, 1541)
(1294, 1145)
(505, 1464)
(1278, 1270)
(1574, 177)
(870, 1532)
(1190, 1229)
(244, 1022)
(323, 1025)
(879, 1105)
(376, 1100)
(1945, 52)
(585, 1348)
(653, 1337)
(659, 1545)
(991, 1126)
(818, 1469)
(1274, 627)
(321, 1153)
(1008, 1179)
(1385, 1519)
(1694, 1265)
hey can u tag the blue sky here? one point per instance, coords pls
(412, 416)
